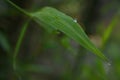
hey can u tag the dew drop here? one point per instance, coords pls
(75, 20)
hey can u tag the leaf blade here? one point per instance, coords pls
(59, 21)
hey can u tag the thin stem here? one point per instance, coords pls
(18, 44)
(18, 8)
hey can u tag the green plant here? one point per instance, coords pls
(52, 19)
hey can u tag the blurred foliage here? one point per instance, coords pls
(51, 56)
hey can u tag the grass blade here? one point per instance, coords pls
(52, 18)
(23, 30)
(108, 31)
(18, 44)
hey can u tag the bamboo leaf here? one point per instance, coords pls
(55, 20)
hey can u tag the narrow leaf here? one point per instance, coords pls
(54, 19)
(110, 28)
(18, 44)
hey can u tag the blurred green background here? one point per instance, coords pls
(54, 56)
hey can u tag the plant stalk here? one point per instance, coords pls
(18, 8)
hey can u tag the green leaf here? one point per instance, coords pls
(18, 44)
(107, 33)
(55, 20)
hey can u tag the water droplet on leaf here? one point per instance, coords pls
(75, 20)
